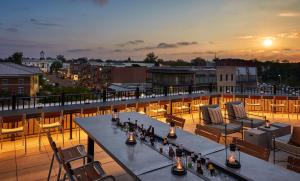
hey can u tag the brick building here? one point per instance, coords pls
(128, 74)
(18, 79)
(160, 77)
(101, 77)
(235, 73)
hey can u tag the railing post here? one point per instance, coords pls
(137, 92)
(165, 91)
(274, 89)
(13, 102)
(210, 88)
(242, 88)
(104, 95)
(62, 99)
(210, 100)
(190, 89)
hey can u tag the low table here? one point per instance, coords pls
(284, 129)
(257, 137)
(272, 131)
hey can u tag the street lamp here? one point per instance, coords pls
(279, 79)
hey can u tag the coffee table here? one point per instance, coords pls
(284, 129)
(272, 131)
(257, 137)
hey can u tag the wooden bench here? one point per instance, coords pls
(252, 149)
(179, 122)
(208, 132)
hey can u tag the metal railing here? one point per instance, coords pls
(15, 102)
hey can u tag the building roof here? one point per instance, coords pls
(10, 69)
(179, 69)
(127, 86)
(235, 62)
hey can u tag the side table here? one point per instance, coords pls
(257, 137)
(272, 131)
(284, 129)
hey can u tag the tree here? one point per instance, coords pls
(55, 66)
(160, 61)
(16, 58)
(151, 58)
(198, 61)
(61, 58)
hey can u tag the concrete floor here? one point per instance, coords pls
(15, 165)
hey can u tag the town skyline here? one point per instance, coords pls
(113, 29)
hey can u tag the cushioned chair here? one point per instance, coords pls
(160, 109)
(57, 124)
(207, 121)
(14, 120)
(249, 122)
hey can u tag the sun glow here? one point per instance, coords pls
(267, 42)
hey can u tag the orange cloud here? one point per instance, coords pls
(288, 14)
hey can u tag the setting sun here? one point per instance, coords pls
(267, 42)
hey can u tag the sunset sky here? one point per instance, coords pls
(173, 29)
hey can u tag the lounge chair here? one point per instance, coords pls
(245, 120)
(224, 128)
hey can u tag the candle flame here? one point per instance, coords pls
(231, 159)
(179, 164)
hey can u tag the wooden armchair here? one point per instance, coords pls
(208, 132)
(179, 122)
(293, 164)
(252, 149)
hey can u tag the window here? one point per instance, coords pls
(231, 77)
(221, 77)
(21, 81)
(20, 90)
(4, 89)
(4, 82)
(226, 77)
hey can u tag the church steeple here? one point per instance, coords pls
(42, 55)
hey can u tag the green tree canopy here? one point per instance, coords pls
(55, 66)
(61, 58)
(16, 58)
(151, 58)
(198, 61)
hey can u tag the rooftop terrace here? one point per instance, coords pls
(34, 165)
